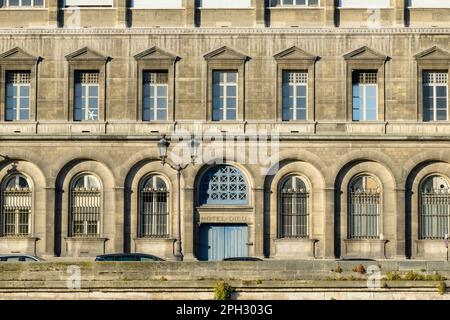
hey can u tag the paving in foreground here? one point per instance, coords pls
(240, 280)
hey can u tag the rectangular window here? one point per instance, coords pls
(88, 3)
(225, 95)
(155, 90)
(364, 4)
(18, 89)
(287, 3)
(365, 96)
(435, 96)
(21, 3)
(156, 4)
(86, 95)
(295, 95)
(429, 4)
(221, 4)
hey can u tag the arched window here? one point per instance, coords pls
(223, 185)
(16, 207)
(294, 208)
(364, 208)
(434, 208)
(153, 208)
(85, 207)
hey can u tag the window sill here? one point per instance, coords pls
(154, 9)
(250, 8)
(296, 8)
(87, 8)
(364, 8)
(23, 9)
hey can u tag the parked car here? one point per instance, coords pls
(130, 257)
(243, 259)
(19, 258)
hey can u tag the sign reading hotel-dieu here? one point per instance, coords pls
(223, 219)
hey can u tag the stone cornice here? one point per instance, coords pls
(222, 31)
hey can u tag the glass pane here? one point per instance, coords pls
(13, 2)
(24, 103)
(356, 90)
(93, 91)
(231, 77)
(24, 91)
(441, 115)
(287, 114)
(162, 91)
(441, 91)
(38, 3)
(371, 103)
(371, 115)
(162, 103)
(231, 91)
(371, 91)
(231, 114)
(161, 115)
(24, 114)
(231, 103)
(301, 91)
(287, 91)
(441, 103)
(301, 114)
(26, 3)
(356, 114)
(93, 103)
(301, 103)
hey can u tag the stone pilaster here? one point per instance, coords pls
(329, 223)
(258, 227)
(330, 13)
(53, 11)
(188, 236)
(260, 9)
(189, 9)
(121, 7)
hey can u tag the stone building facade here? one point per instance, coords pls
(357, 92)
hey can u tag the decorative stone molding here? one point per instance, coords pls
(17, 59)
(226, 58)
(365, 58)
(431, 59)
(158, 60)
(87, 59)
(296, 59)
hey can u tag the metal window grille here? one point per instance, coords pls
(297, 77)
(154, 213)
(87, 77)
(16, 212)
(434, 213)
(435, 77)
(364, 214)
(18, 77)
(364, 77)
(294, 214)
(156, 77)
(86, 208)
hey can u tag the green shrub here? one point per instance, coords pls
(413, 276)
(223, 291)
(360, 269)
(442, 287)
(393, 276)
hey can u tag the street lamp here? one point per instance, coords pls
(163, 146)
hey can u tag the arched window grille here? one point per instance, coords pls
(85, 207)
(434, 208)
(223, 185)
(16, 207)
(154, 208)
(294, 208)
(364, 208)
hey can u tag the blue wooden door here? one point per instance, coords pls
(223, 241)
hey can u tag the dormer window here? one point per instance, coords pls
(88, 3)
(21, 3)
(297, 3)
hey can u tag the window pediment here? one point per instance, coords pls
(365, 54)
(86, 54)
(294, 54)
(434, 53)
(18, 55)
(225, 53)
(155, 53)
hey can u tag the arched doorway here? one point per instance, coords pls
(223, 213)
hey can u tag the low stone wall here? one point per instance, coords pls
(196, 280)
